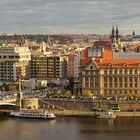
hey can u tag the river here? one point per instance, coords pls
(70, 128)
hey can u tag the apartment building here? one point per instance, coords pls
(47, 67)
(73, 64)
(14, 60)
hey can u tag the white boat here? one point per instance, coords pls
(32, 115)
(105, 114)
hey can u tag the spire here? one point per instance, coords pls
(117, 33)
(113, 32)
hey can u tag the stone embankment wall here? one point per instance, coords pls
(89, 105)
(30, 103)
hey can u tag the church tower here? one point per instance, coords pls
(115, 39)
(112, 37)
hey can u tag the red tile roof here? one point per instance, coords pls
(33, 48)
(108, 59)
(102, 43)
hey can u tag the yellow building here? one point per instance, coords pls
(111, 78)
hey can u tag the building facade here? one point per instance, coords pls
(47, 67)
(107, 77)
(14, 60)
(73, 64)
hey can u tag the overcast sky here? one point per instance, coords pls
(69, 16)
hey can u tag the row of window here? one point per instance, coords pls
(91, 72)
(121, 92)
(12, 57)
(109, 85)
(125, 71)
(121, 79)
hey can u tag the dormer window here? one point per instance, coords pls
(125, 65)
(110, 65)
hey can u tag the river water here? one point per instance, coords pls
(70, 128)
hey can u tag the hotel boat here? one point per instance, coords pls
(32, 115)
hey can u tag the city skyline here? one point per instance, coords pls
(63, 16)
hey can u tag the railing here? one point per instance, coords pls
(50, 104)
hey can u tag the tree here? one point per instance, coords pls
(69, 85)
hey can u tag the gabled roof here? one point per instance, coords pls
(93, 62)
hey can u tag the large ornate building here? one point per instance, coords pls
(110, 78)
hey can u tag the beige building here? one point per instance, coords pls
(14, 60)
(47, 67)
(111, 78)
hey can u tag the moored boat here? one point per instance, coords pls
(32, 115)
(105, 114)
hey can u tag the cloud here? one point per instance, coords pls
(68, 16)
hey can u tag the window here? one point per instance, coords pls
(125, 79)
(130, 71)
(120, 91)
(105, 71)
(105, 84)
(91, 72)
(91, 67)
(125, 71)
(115, 91)
(120, 72)
(110, 79)
(11, 56)
(130, 79)
(110, 71)
(135, 71)
(135, 79)
(105, 92)
(115, 79)
(120, 79)
(105, 79)
(125, 92)
(135, 91)
(115, 71)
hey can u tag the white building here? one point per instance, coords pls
(12, 61)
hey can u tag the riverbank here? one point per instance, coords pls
(74, 113)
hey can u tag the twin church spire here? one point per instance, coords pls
(115, 39)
